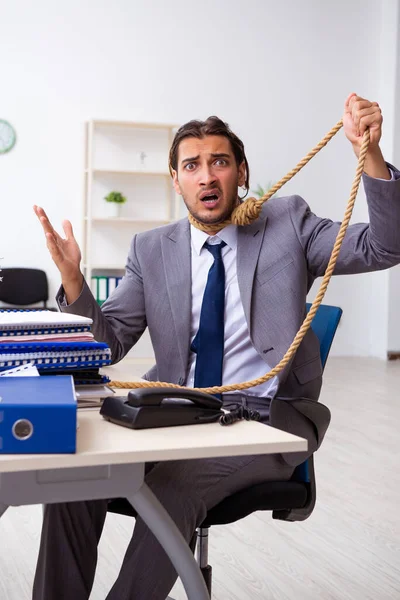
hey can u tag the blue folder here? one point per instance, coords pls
(37, 415)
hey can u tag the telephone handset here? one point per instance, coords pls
(165, 407)
(161, 407)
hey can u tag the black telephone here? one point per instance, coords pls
(161, 407)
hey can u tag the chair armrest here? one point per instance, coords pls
(301, 514)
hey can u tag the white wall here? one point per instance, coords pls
(394, 274)
(277, 72)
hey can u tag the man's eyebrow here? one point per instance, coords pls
(221, 155)
(190, 159)
(213, 155)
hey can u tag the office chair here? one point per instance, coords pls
(22, 287)
(292, 500)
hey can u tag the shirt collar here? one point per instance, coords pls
(228, 235)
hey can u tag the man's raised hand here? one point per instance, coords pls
(359, 114)
(65, 252)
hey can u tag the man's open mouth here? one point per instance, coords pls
(211, 198)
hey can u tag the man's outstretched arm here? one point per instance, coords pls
(121, 321)
(367, 246)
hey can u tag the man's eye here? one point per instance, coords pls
(190, 166)
(220, 162)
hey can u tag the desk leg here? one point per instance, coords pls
(160, 523)
(3, 508)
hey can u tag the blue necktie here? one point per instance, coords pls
(209, 340)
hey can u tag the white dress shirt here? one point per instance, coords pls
(241, 360)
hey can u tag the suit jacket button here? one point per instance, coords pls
(181, 381)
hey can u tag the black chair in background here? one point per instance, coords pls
(21, 287)
(292, 500)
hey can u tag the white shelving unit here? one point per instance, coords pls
(131, 158)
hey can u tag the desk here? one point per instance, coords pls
(109, 463)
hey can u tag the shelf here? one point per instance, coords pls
(133, 157)
(136, 125)
(129, 172)
(105, 267)
(117, 220)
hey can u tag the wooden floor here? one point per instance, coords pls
(348, 550)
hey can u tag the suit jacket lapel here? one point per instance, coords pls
(250, 242)
(250, 239)
(176, 255)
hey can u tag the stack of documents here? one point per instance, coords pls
(55, 355)
(92, 396)
(55, 344)
(88, 395)
(43, 325)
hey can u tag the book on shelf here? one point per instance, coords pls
(102, 286)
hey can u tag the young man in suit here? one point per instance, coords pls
(266, 269)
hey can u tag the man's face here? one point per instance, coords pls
(208, 178)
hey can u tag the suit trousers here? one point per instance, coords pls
(186, 488)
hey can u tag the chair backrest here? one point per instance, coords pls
(324, 325)
(23, 286)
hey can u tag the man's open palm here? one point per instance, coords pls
(64, 251)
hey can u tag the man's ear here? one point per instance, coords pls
(176, 182)
(241, 174)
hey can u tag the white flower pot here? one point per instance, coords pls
(111, 209)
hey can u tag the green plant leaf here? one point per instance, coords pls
(116, 197)
(260, 191)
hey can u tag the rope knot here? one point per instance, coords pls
(247, 212)
(244, 214)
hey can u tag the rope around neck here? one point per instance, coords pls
(244, 215)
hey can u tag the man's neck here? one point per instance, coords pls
(214, 227)
(213, 232)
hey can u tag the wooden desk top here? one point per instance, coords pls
(100, 443)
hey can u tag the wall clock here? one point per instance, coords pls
(8, 136)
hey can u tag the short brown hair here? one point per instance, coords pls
(200, 129)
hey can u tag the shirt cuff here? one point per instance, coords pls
(62, 301)
(392, 177)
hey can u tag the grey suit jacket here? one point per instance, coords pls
(278, 258)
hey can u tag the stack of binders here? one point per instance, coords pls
(56, 344)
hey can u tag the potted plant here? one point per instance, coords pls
(260, 191)
(114, 201)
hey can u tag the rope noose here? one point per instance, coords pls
(244, 214)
